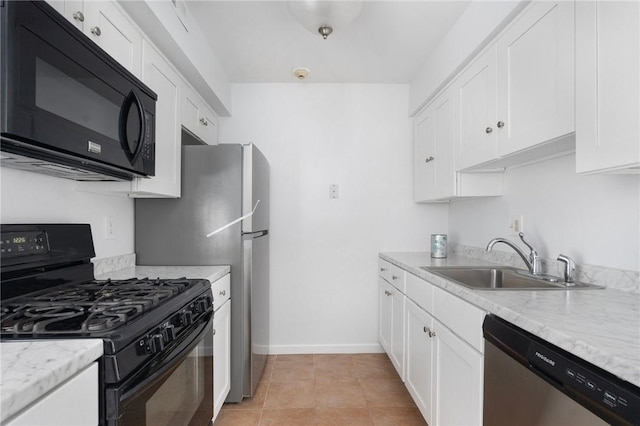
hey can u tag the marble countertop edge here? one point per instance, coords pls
(527, 310)
(31, 369)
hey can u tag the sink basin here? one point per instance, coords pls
(500, 278)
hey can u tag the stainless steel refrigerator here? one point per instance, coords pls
(219, 184)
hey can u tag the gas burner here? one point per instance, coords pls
(40, 319)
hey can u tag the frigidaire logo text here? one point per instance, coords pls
(545, 359)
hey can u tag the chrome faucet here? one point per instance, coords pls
(533, 262)
(569, 269)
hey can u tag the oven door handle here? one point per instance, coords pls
(132, 152)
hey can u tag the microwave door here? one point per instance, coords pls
(132, 127)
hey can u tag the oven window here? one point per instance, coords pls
(181, 395)
(65, 96)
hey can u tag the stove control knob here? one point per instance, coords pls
(156, 343)
(169, 333)
(186, 318)
(201, 306)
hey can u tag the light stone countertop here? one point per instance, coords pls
(600, 326)
(211, 273)
(30, 369)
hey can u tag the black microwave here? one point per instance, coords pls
(69, 109)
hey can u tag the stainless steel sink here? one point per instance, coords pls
(501, 278)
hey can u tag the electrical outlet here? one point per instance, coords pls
(333, 190)
(109, 228)
(516, 226)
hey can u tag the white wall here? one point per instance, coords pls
(35, 198)
(594, 218)
(324, 251)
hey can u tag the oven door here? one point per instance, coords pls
(63, 94)
(176, 390)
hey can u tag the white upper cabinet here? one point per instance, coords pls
(111, 29)
(536, 77)
(197, 117)
(160, 76)
(476, 93)
(107, 26)
(608, 86)
(433, 150)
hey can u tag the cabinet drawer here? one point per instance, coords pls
(462, 318)
(420, 291)
(221, 291)
(383, 269)
(397, 278)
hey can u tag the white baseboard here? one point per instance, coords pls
(325, 349)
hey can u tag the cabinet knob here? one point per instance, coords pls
(488, 130)
(388, 293)
(204, 122)
(394, 277)
(500, 124)
(96, 31)
(432, 333)
(223, 293)
(429, 159)
(78, 16)
(425, 329)
(383, 269)
(214, 331)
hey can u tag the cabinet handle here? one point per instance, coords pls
(383, 269)
(214, 331)
(223, 293)
(500, 124)
(204, 122)
(388, 293)
(429, 159)
(488, 130)
(425, 329)
(432, 333)
(78, 16)
(393, 277)
(96, 31)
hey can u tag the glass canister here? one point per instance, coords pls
(438, 246)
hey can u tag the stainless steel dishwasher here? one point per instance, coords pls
(528, 381)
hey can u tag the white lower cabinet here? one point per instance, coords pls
(443, 350)
(391, 295)
(419, 366)
(459, 373)
(221, 342)
(73, 403)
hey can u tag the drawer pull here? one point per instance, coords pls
(78, 16)
(394, 277)
(383, 269)
(96, 31)
(223, 293)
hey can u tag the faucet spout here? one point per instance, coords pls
(532, 262)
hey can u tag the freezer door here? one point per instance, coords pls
(255, 187)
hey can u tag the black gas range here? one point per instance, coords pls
(156, 332)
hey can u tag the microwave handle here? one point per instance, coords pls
(131, 99)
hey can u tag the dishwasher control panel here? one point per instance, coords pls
(585, 381)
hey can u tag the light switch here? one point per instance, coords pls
(333, 190)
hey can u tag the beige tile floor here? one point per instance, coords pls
(354, 390)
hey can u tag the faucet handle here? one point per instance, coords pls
(569, 269)
(533, 256)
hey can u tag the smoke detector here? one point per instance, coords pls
(301, 73)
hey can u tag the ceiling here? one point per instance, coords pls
(261, 41)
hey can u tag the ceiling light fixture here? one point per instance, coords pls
(301, 73)
(325, 16)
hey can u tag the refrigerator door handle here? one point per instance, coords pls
(222, 228)
(255, 234)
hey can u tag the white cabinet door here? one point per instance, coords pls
(73, 403)
(72, 10)
(385, 309)
(607, 86)
(536, 77)
(433, 150)
(221, 356)
(197, 117)
(112, 30)
(397, 330)
(419, 366)
(160, 76)
(459, 375)
(476, 97)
